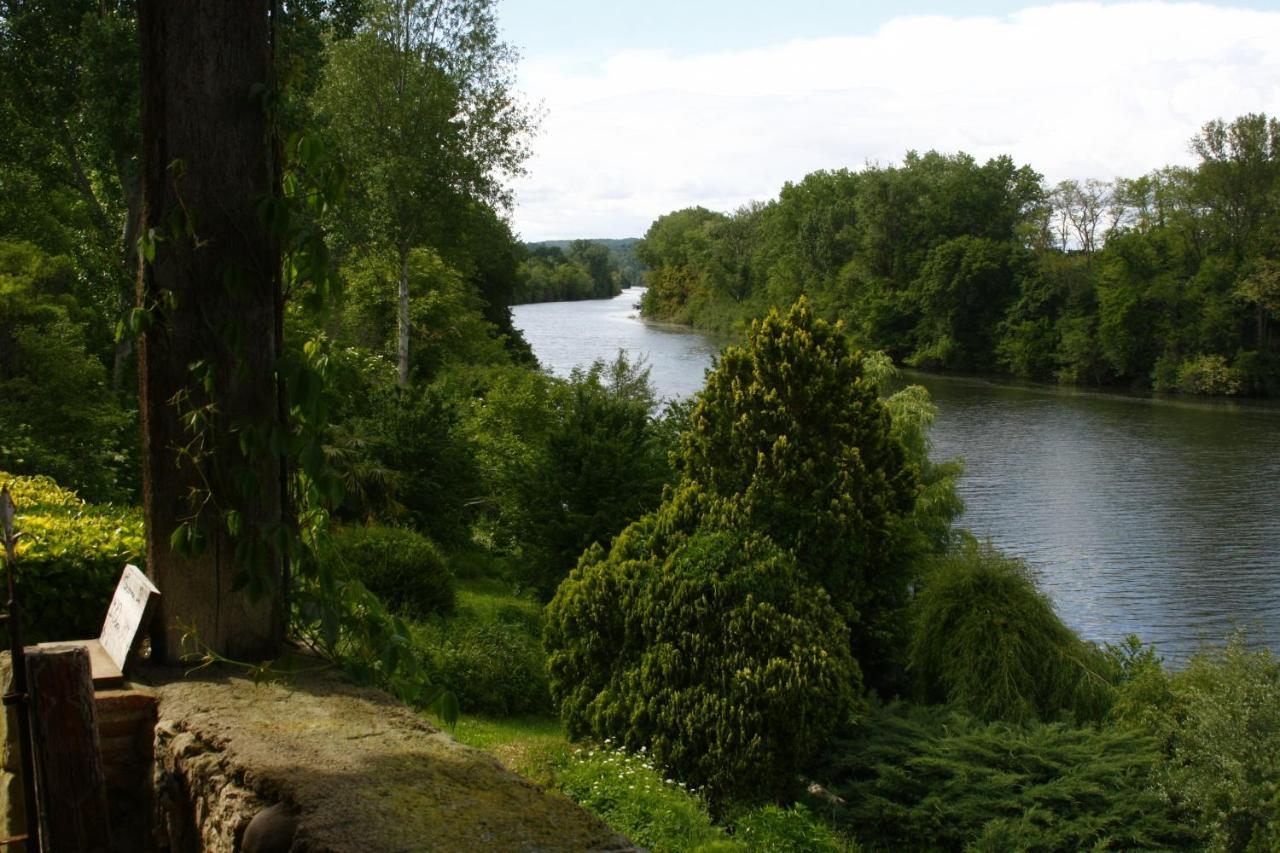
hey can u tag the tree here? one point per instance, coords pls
(420, 103)
(1237, 178)
(1079, 213)
(790, 437)
(209, 292)
(69, 133)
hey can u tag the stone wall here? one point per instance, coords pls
(315, 763)
(218, 763)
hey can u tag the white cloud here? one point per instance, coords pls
(1074, 90)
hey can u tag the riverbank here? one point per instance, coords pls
(1138, 514)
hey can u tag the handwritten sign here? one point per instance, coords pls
(126, 615)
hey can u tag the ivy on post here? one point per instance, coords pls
(208, 306)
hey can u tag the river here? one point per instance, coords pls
(1138, 515)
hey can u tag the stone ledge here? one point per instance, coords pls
(355, 769)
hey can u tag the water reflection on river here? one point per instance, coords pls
(1150, 517)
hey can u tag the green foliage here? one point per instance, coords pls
(70, 557)
(489, 653)
(791, 438)
(416, 435)
(916, 778)
(988, 641)
(794, 830)
(567, 464)
(1207, 374)
(1219, 722)
(628, 792)
(59, 417)
(587, 270)
(711, 650)
(403, 568)
(948, 264)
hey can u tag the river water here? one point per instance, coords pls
(1154, 517)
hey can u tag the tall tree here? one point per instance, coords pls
(69, 142)
(421, 105)
(209, 284)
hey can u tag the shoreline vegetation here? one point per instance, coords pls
(571, 270)
(1167, 282)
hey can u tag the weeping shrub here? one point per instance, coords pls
(403, 568)
(708, 650)
(987, 640)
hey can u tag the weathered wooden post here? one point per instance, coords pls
(69, 774)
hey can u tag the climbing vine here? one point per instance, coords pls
(336, 617)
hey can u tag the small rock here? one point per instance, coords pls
(270, 831)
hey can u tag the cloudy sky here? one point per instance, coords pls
(718, 102)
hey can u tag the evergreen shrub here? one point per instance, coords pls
(913, 777)
(987, 640)
(790, 430)
(710, 649)
(70, 557)
(403, 568)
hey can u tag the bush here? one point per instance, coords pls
(988, 641)
(70, 558)
(711, 650)
(568, 463)
(490, 654)
(790, 433)
(403, 568)
(913, 778)
(59, 416)
(793, 830)
(415, 436)
(1207, 374)
(1219, 719)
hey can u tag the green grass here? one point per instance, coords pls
(490, 653)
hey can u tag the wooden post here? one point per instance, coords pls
(69, 772)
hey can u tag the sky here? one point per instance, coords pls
(649, 109)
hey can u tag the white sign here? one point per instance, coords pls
(126, 614)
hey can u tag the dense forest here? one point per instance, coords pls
(565, 270)
(745, 621)
(1169, 281)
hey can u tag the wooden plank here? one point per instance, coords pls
(69, 773)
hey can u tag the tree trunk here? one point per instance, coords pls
(211, 294)
(403, 336)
